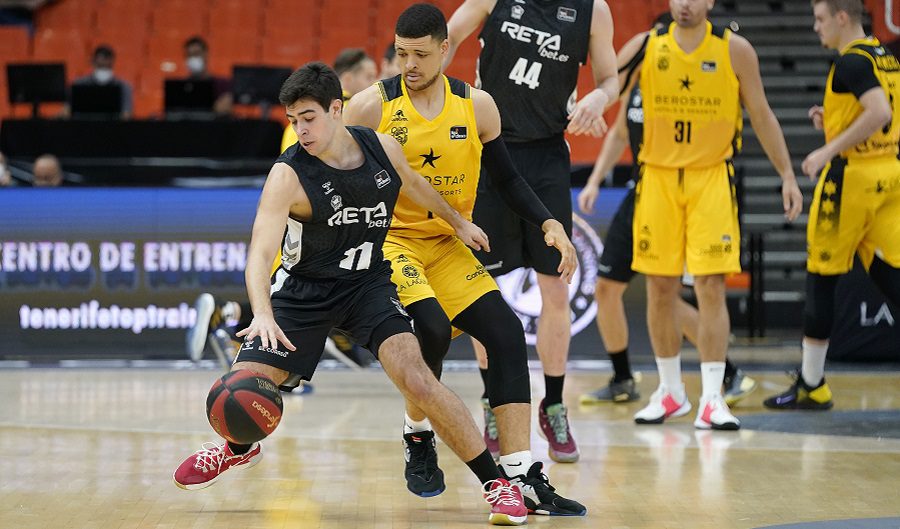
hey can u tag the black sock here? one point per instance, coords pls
(237, 449)
(621, 366)
(484, 467)
(554, 388)
(730, 369)
(484, 379)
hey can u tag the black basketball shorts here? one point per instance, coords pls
(307, 310)
(515, 243)
(615, 261)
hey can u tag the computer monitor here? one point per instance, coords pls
(36, 83)
(257, 84)
(195, 96)
(97, 100)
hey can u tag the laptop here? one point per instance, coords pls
(95, 100)
(189, 98)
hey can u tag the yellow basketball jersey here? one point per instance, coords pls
(692, 107)
(842, 108)
(445, 150)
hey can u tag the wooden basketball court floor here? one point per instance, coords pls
(92, 448)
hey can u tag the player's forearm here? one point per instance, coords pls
(768, 130)
(426, 197)
(510, 185)
(258, 283)
(609, 86)
(862, 127)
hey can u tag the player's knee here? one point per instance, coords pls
(276, 375)
(418, 383)
(434, 337)
(433, 331)
(818, 311)
(713, 285)
(608, 290)
(554, 291)
(660, 287)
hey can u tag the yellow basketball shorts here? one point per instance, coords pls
(855, 209)
(686, 216)
(440, 267)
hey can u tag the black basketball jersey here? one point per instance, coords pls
(351, 214)
(531, 53)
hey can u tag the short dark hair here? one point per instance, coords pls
(314, 80)
(390, 52)
(348, 59)
(105, 51)
(853, 8)
(422, 20)
(198, 40)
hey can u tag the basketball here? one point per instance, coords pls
(244, 407)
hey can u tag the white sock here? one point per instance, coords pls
(670, 375)
(813, 367)
(517, 463)
(712, 374)
(411, 426)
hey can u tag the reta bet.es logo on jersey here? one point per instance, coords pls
(374, 217)
(548, 44)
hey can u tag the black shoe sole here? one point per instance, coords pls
(427, 494)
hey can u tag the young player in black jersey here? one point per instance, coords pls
(529, 63)
(328, 201)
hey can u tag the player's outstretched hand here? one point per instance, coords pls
(587, 197)
(473, 236)
(268, 331)
(555, 235)
(817, 115)
(792, 198)
(587, 117)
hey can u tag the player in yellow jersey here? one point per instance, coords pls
(448, 130)
(693, 79)
(856, 205)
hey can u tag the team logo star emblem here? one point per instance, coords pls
(686, 83)
(429, 158)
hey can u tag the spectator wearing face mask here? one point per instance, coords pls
(196, 52)
(103, 60)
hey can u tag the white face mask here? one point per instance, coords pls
(103, 75)
(196, 64)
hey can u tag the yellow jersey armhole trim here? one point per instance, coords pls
(384, 97)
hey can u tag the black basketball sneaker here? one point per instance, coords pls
(423, 477)
(541, 497)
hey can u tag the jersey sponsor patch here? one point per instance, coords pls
(517, 12)
(458, 133)
(708, 66)
(566, 14)
(382, 178)
(399, 116)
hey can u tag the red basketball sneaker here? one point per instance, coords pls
(204, 467)
(507, 505)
